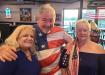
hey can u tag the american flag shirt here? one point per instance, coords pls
(48, 46)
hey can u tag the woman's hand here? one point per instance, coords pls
(7, 53)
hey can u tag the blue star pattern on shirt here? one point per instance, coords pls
(41, 39)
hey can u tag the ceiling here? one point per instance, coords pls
(95, 3)
(36, 1)
(56, 1)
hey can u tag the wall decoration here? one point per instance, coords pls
(58, 17)
(25, 14)
(7, 13)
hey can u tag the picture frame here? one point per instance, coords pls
(25, 14)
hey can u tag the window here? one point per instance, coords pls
(70, 17)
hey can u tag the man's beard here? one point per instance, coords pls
(48, 28)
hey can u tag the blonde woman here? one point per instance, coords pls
(95, 32)
(86, 57)
(23, 40)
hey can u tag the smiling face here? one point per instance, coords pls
(26, 39)
(82, 31)
(45, 21)
(45, 17)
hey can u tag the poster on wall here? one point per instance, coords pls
(8, 13)
(25, 14)
(58, 17)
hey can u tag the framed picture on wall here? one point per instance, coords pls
(58, 17)
(25, 14)
(8, 13)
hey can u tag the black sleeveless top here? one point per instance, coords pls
(91, 64)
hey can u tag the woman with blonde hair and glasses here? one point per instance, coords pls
(95, 32)
(26, 64)
(86, 57)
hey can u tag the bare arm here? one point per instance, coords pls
(67, 38)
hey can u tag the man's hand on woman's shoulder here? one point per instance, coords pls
(7, 53)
